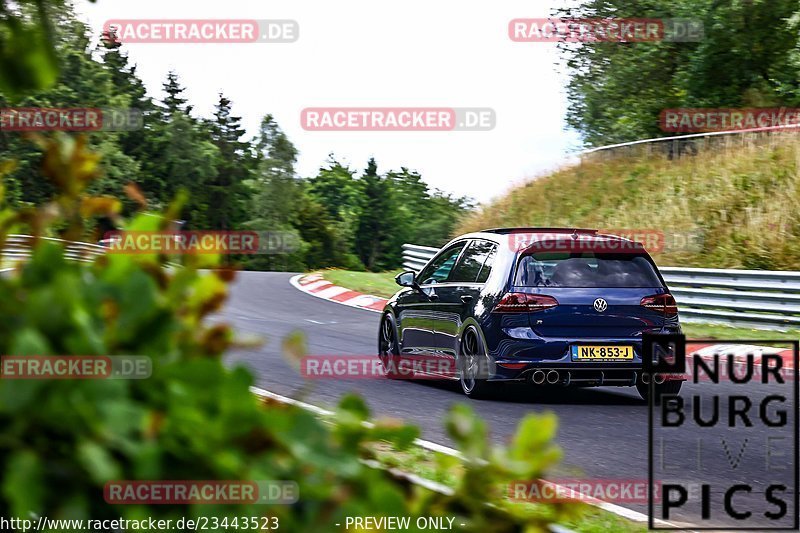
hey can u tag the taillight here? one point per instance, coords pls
(520, 302)
(661, 302)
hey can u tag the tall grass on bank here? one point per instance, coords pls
(744, 201)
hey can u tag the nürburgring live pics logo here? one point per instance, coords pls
(725, 454)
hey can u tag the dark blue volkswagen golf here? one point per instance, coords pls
(547, 306)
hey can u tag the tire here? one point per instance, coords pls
(469, 361)
(388, 346)
(671, 387)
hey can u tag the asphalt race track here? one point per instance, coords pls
(603, 431)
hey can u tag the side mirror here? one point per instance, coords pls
(406, 279)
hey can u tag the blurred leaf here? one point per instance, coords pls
(467, 430)
(98, 462)
(353, 405)
(23, 483)
(105, 206)
(27, 58)
(294, 347)
(133, 192)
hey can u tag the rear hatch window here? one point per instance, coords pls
(586, 270)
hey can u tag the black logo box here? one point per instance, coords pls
(667, 354)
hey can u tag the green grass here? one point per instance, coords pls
(722, 332)
(596, 520)
(374, 283)
(742, 200)
(382, 284)
(421, 462)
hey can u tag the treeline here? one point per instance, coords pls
(345, 217)
(748, 56)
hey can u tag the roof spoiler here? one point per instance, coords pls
(503, 231)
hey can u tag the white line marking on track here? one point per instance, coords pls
(322, 323)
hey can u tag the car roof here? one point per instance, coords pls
(539, 234)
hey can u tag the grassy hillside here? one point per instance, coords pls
(745, 201)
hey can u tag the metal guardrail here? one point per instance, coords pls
(18, 248)
(415, 257)
(764, 299)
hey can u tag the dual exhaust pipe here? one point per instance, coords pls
(539, 377)
(658, 379)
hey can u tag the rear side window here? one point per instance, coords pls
(486, 269)
(473, 267)
(439, 270)
(590, 270)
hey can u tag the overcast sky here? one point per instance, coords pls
(359, 53)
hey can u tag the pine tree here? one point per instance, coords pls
(374, 232)
(227, 193)
(274, 149)
(174, 102)
(276, 187)
(130, 97)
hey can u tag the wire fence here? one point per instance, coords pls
(679, 146)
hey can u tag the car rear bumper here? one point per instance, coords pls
(578, 374)
(518, 359)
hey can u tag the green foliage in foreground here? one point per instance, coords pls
(61, 441)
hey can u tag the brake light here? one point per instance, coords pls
(520, 302)
(661, 302)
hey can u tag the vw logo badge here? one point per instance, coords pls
(600, 305)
